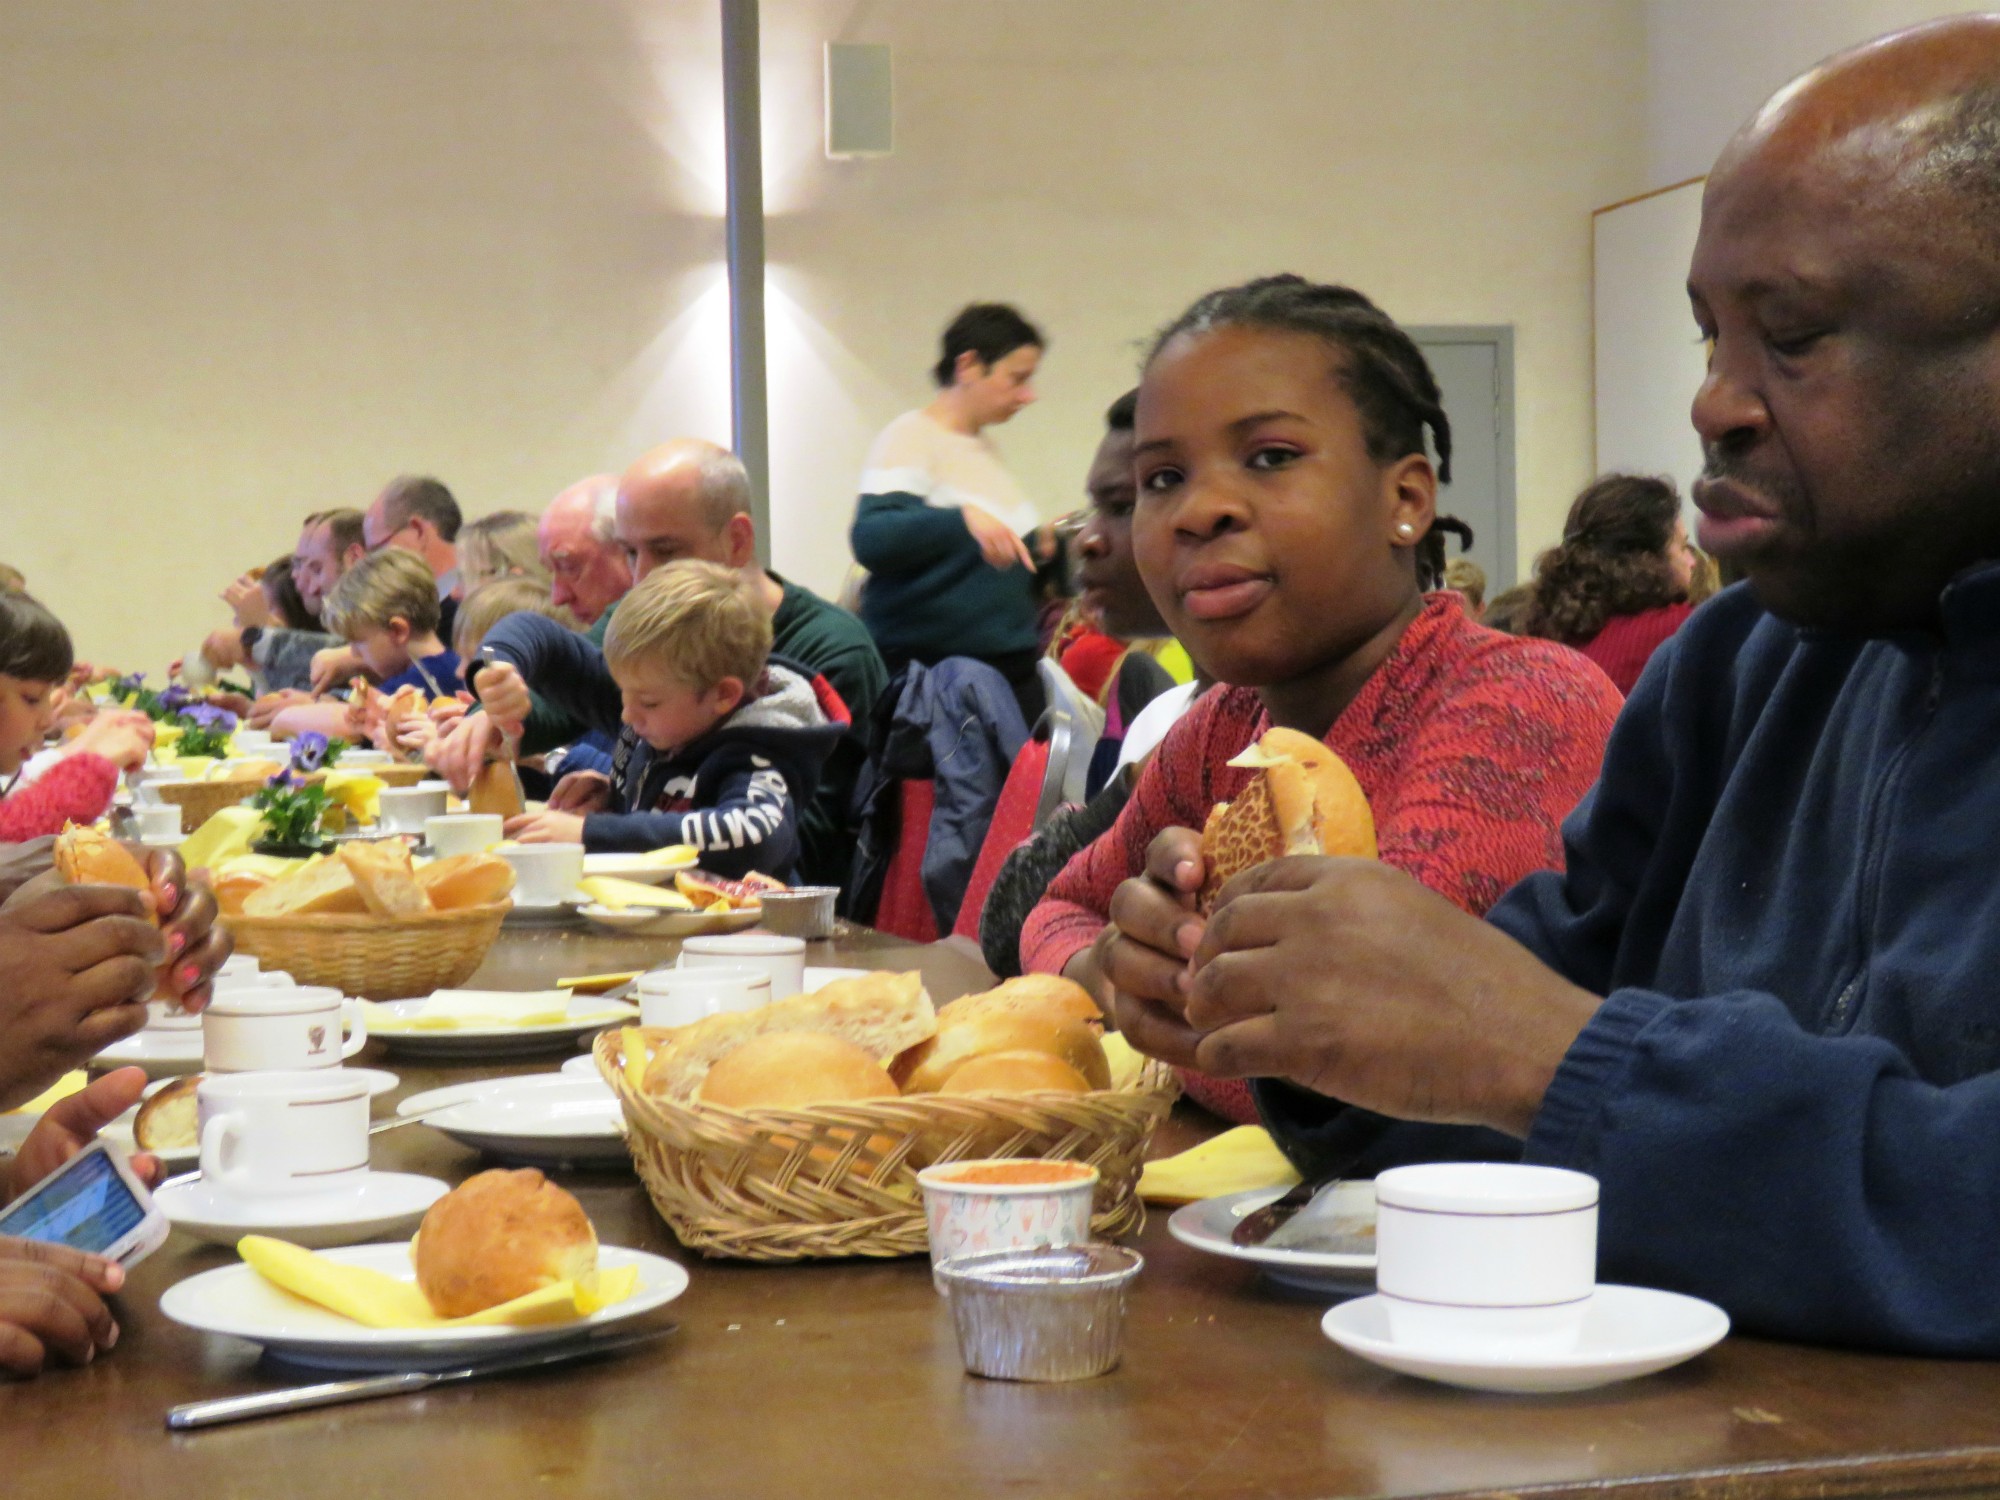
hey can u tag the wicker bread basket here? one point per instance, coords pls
(393, 775)
(841, 1179)
(373, 957)
(201, 800)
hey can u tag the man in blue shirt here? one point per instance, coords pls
(1763, 1004)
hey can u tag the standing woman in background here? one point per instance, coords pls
(1619, 584)
(951, 544)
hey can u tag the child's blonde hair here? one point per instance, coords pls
(490, 603)
(696, 620)
(502, 545)
(383, 586)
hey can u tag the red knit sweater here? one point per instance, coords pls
(1627, 642)
(76, 789)
(1472, 747)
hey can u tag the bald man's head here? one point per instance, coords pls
(1848, 275)
(579, 544)
(686, 498)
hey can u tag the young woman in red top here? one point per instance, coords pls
(35, 658)
(1620, 583)
(1284, 491)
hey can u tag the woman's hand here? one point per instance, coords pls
(52, 1305)
(245, 598)
(997, 542)
(196, 943)
(71, 1124)
(1144, 954)
(122, 737)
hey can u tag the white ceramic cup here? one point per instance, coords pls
(544, 874)
(463, 833)
(408, 809)
(158, 820)
(680, 997)
(1486, 1257)
(238, 964)
(164, 1016)
(271, 1028)
(361, 756)
(783, 958)
(146, 780)
(270, 1134)
(250, 741)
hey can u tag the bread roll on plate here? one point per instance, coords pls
(497, 1236)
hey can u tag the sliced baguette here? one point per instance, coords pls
(387, 882)
(321, 886)
(881, 1013)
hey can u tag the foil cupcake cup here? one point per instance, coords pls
(1050, 1313)
(804, 911)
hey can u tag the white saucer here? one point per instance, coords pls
(545, 913)
(1207, 1225)
(640, 868)
(540, 1120)
(380, 1203)
(163, 1054)
(1629, 1331)
(583, 1065)
(473, 1043)
(650, 921)
(235, 1300)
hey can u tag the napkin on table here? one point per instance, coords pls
(1234, 1162)
(376, 1299)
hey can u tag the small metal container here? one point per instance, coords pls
(804, 911)
(1050, 1313)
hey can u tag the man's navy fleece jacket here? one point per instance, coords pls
(1787, 884)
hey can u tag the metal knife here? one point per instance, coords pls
(197, 1414)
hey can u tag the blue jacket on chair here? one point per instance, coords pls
(1787, 884)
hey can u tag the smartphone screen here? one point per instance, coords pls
(88, 1207)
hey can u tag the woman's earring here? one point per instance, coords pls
(1404, 528)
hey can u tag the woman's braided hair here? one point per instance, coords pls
(1612, 560)
(1383, 372)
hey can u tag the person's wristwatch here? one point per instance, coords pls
(250, 636)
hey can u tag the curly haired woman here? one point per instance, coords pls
(1620, 582)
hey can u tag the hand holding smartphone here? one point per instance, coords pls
(93, 1202)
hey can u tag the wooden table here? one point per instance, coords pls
(843, 1379)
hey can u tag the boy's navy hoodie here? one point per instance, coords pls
(734, 794)
(1787, 884)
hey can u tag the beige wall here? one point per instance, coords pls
(256, 258)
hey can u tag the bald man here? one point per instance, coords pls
(690, 498)
(578, 537)
(1760, 1006)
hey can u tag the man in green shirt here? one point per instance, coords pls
(689, 498)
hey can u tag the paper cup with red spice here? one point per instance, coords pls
(971, 1207)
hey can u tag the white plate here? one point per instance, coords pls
(470, 1043)
(235, 1300)
(1206, 1226)
(1629, 1331)
(163, 1054)
(381, 1203)
(549, 914)
(642, 868)
(583, 1065)
(648, 921)
(540, 1120)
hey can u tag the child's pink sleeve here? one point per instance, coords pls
(76, 789)
(1078, 903)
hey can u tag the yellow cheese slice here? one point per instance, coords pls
(376, 1299)
(224, 837)
(1234, 1162)
(608, 890)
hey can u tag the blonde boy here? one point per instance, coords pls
(386, 607)
(717, 744)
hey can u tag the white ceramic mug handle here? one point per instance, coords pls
(216, 1139)
(356, 1021)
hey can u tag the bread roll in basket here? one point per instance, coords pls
(801, 1182)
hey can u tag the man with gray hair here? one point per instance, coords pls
(690, 498)
(578, 536)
